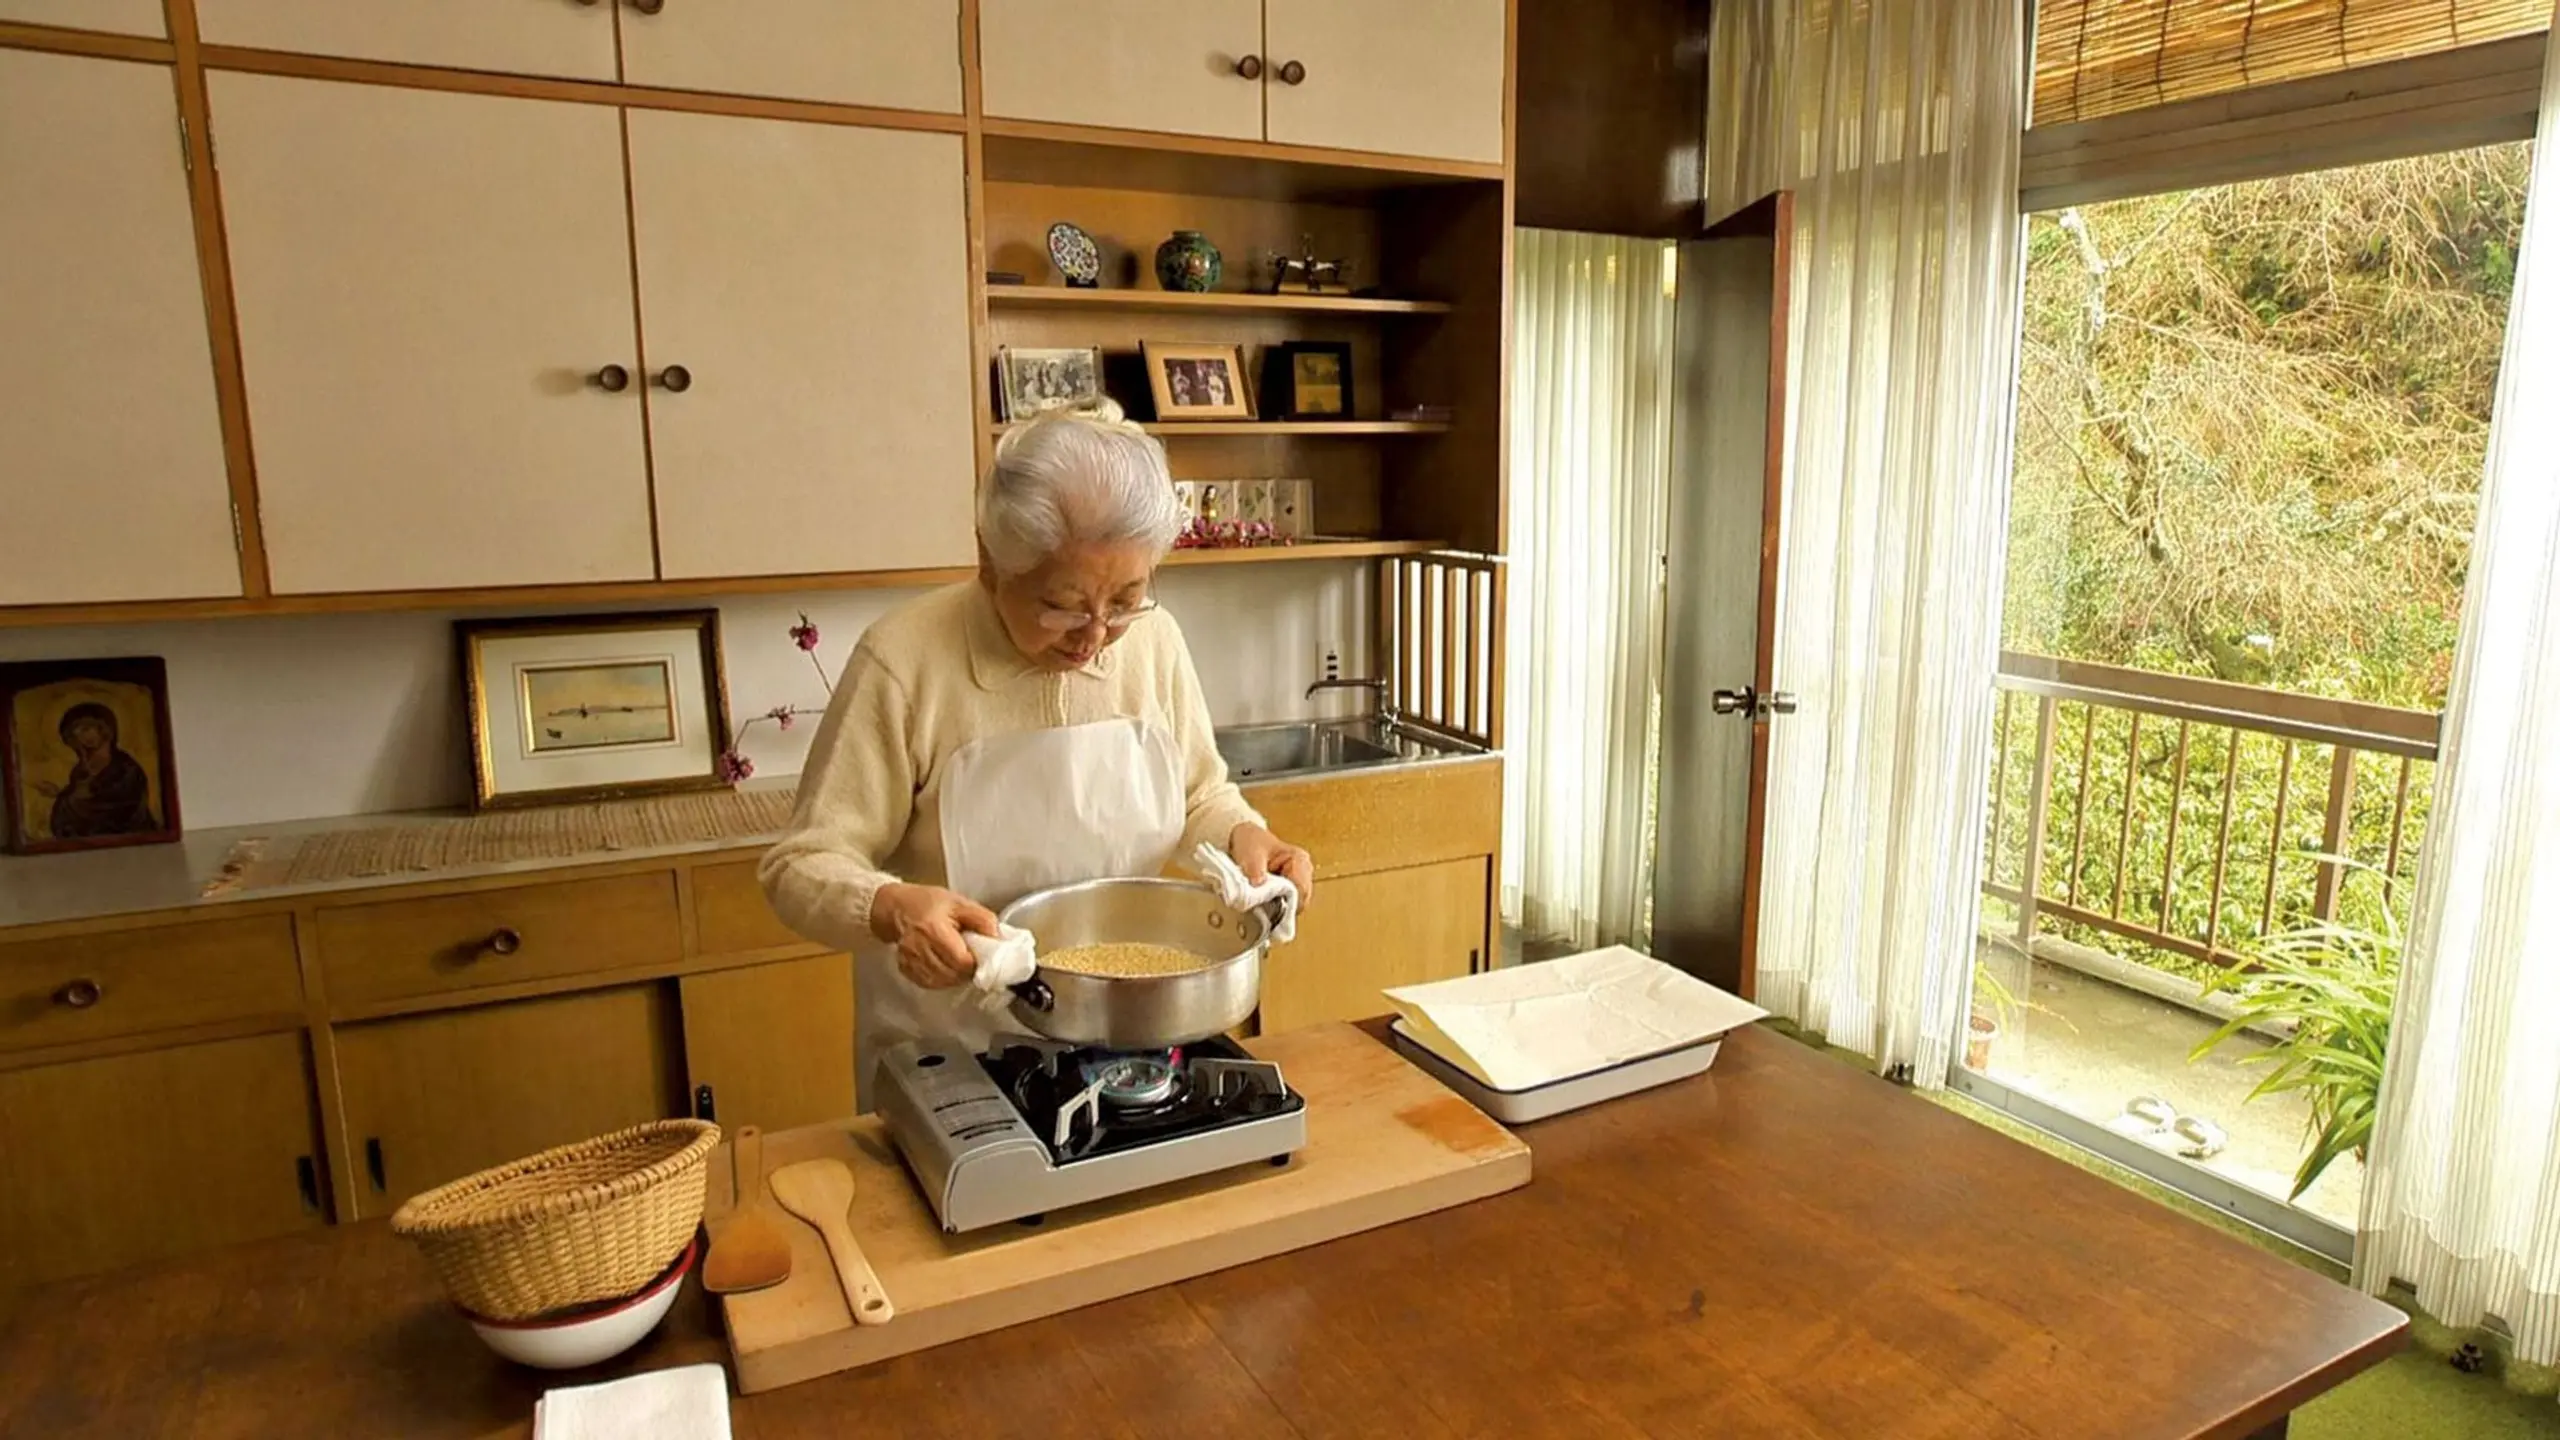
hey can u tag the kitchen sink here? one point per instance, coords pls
(1307, 747)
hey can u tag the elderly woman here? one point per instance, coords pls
(1036, 726)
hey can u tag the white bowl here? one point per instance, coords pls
(590, 1335)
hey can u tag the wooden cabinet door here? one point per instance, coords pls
(1417, 77)
(519, 37)
(901, 54)
(437, 1097)
(427, 284)
(812, 283)
(120, 17)
(111, 437)
(1165, 65)
(141, 1157)
(1367, 932)
(774, 1042)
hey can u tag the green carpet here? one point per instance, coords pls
(2415, 1395)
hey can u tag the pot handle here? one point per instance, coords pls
(1272, 911)
(1036, 994)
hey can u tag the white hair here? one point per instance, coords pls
(1073, 476)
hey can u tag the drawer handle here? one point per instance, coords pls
(307, 1176)
(373, 1163)
(1250, 67)
(1293, 73)
(79, 994)
(612, 379)
(505, 940)
(675, 378)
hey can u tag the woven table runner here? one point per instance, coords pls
(562, 832)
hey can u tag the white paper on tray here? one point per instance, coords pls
(1536, 1024)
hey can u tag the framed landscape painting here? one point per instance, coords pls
(593, 707)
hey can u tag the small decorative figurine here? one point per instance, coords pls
(1307, 275)
(1189, 262)
(1076, 256)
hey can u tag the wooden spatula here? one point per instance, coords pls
(821, 1192)
(748, 1249)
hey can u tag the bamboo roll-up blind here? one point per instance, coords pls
(2104, 57)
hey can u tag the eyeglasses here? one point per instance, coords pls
(1066, 622)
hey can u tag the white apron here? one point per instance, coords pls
(1025, 812)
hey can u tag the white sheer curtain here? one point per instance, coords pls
(1896, 123)
(2462, 1188)
(1590, 453)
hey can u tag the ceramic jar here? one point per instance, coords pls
(1189, 262)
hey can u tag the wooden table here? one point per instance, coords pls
(1784, 1247)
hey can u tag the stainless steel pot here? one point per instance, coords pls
(1141, 1012)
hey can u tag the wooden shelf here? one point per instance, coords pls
(1095, 157)
(1181, 429)
(1306, 550)
(1006, 296)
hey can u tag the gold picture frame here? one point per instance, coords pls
(577, 708)
(1197, 382)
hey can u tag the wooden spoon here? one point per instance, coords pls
(821, 1192)
(748, 1249)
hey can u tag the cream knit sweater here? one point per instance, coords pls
(927, 679)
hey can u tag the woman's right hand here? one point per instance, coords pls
(926, 923)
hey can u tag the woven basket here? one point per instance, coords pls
(592, 1221)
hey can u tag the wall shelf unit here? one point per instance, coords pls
(1006, 297)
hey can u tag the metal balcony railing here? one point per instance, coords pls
(2104, 777)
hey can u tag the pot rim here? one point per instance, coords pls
(1250, 950)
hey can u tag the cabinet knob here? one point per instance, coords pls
(612, 379)
(79, 994)
(1250, 67)
(647, 7)
(505, 940)
(676, 378)
(1293, 73)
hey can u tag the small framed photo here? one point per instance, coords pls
(1307, 380)
(1198, 382)
(85, 756)
(1033, 381)
(593, 707)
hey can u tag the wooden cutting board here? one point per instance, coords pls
(1385, 1142)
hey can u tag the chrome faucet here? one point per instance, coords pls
(1383, 712)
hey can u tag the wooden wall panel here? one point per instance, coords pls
(1613, 116)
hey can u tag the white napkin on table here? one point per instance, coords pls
(1220, 869)
(1005, 959)
(690, 1402)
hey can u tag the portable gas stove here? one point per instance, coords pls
(1034, 1126)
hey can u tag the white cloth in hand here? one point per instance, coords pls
(687, 1403)
(1221, 870)
(1005, 959)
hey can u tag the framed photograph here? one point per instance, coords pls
(85, 756)
(1307, 380)
(1198, 382)
(593, 707)
(1031, 381)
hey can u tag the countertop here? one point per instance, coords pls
(142, 879)
(1784, 1247)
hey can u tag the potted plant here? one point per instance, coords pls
(2331, 985)
(1995, 1011)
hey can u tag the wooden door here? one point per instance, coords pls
(1728, 488)
(1365, 933)
(437, 1097)
(1417, 77)
(428, 285)
(518, 37)
(111, 436)
(120, 17)
(811, 285)
(1170, 65)
(902, 54)
(141, 1157)
(774, 1043)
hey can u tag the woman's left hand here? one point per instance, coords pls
(1259, 853)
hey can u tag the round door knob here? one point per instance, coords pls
(79, 994)
(1250, 67)
(1736, 702)
(612, 379)
(1293, 73)
(648, 7)
(505, 940)
(676, 378)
